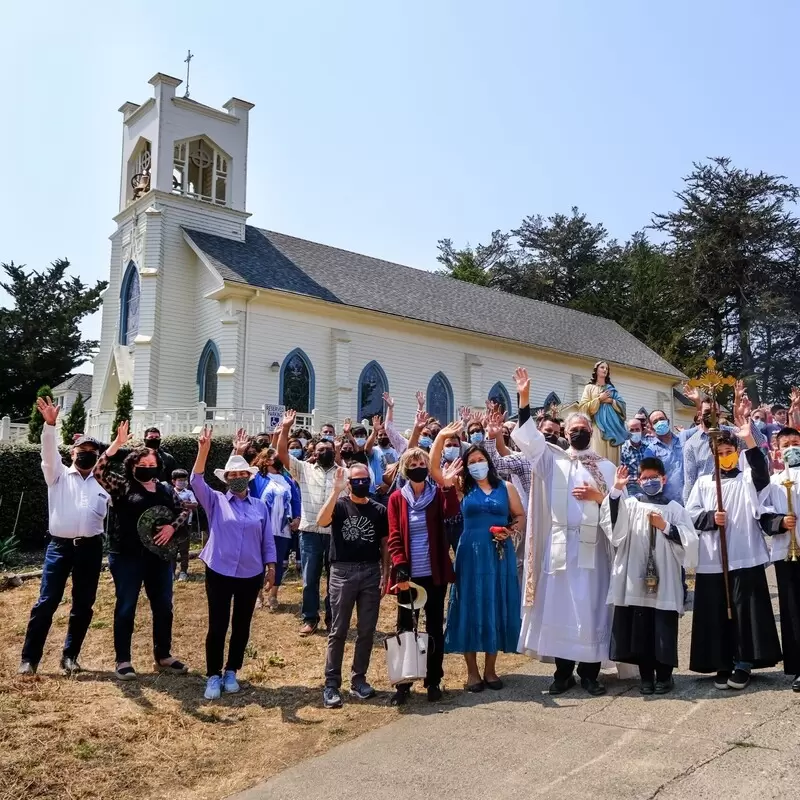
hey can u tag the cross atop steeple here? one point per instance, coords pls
(188, 62)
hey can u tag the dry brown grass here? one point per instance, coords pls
(93, 737)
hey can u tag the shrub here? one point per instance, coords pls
(75, 421)
(37, 420)
(21, 471)
(124, 407)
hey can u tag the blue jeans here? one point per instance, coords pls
(130, 572)
(62, 557)
(313, 556)
(283, 546)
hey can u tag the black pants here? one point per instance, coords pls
(564, 669)
(83, 559)
(434, 627)
(181, 562)
(662, 672)
(220, 591)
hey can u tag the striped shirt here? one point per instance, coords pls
(418, 542)
(315, 484)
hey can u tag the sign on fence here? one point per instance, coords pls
(273, 416)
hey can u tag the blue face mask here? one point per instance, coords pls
(479, 470)
(476, 438)
(761, 425)
(327, 437)
(791, 456)
(451, 453)
(360, 441)
(636, 438)
(652, 486)
(661, 427)
(296, 452)
(426, 442)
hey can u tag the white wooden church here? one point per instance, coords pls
(209, 318)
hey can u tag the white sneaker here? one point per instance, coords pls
(213, 688)
(229, 683)
(182, 576)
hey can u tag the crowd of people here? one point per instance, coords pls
(569, 540)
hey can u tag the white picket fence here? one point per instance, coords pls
(13, 431)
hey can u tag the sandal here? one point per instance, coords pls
(474, 688)
(175, 667)
(496, 685)
(309, 628)
(125, 673)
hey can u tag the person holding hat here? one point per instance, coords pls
(141, 548)
(77, 506)
(240, 547)
(420, 553)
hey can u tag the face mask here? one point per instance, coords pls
(707, 419)
(476, 438)
(652, 486)
(426, 442)
(791, 456)
(384, 444)
(661, 427)
(347, 455)
(303, 442)
(180, 485)
(435, 432)
(296, 452)
(238, 485)
(761, 425)
(85, 459)
(729, 462)
(551, 437)
(325, 458)
(153, 444)
(636, 438)
(418, 474)
(451, 453)
(360, 441)
(359, 487)
(327, 437)
(145, 474)
(580, 438)
(479, 470)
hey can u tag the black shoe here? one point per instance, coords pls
(593, 687)
(796, 684)
(434, 694)
(400, 697)
(665, 687)
(27, 668)
(739, 680)
(331, 697)
(475, 688)
(494, 685)
(559, 686)
(647, 687)
(70, 666)
(721, 680)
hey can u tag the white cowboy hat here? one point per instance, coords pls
(420, 597)
(235, 464)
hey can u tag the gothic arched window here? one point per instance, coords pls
(371, 385)
(297, 382)
(499, 394)
(207, 368)
(200, 170)
(129, 305)
(439, 399)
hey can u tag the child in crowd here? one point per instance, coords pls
(653, 539)
(182, 492)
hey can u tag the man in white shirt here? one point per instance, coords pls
(77, 507)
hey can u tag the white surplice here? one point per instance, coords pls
(779, 544)
(567, 557)
(630, 536)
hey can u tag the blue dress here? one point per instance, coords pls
(484, 612)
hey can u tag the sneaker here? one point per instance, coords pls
(229, 683)
(593, 687)
(559, 686)
(70, 666)
(308, 628)
(362, 691)
(272, 603)
(796, 684)
(183, 576)
(173, 667)
(331, 698)
(213, 688)
(125, 673)
(739, 680)
(721, 680)
(434, 694)
(27, 668)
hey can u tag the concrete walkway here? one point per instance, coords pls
(519, 743)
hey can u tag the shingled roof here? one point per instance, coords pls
(270, 260)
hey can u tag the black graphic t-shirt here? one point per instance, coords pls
(357, 530)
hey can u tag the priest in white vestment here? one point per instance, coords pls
(565, 616)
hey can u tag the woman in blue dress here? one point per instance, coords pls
(484, 611)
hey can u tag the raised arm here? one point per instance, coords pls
(420, 421)
(52, 466)
(325, 515)
(205, 495)
(453, 429)
(398, 442)
(528, 437)
(114, 484)
(283, 440)
(373, 436)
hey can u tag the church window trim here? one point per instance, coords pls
(210, 351)
(130, 300)
(384, 385)
(201, 170)
(299, 352)
(430, 401)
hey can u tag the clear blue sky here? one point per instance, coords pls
(382, 126)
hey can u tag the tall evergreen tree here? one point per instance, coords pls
(124, 407)
(37, 420)
(75, 421)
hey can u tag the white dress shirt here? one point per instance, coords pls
(77, 505)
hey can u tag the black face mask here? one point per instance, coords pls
(580, 438)
(417, 474)
(551, 437)
(277, 464)
(153, 444)
(85, 459)
(145, 474)
(359, 487)
(325, 458)
(707, 420)
(384, 443)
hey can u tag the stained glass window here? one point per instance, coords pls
(371, 386)
(439, 401)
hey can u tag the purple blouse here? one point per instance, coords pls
(240, 541)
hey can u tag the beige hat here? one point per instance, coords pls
(235, 464)
(419, 595)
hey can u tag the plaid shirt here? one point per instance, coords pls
(512, 464)
(316, 485)
(631, 456)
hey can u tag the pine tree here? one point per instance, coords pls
(124, 407)
(37, 420)
(75, 421)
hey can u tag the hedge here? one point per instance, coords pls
(21, 471)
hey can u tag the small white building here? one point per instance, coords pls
(66, 393)
(209, 318)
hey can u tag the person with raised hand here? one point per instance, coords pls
(483, 616)
(138, 495)
(239, 551)
(77, 506)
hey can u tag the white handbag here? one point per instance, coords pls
(406, 656)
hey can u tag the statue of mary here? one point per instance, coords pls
(604, 404)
